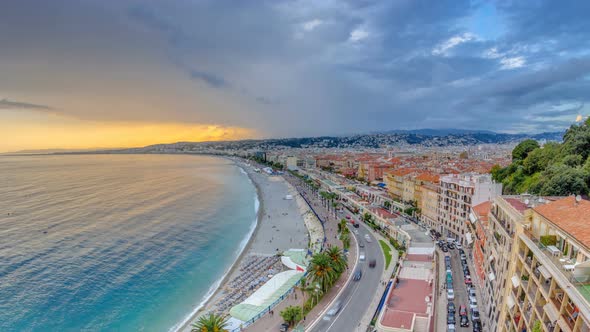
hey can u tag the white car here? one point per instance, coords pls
(368, 238)
(458, 246)
(333, 311)
(362, 256)
(450, 295)
(473, 302)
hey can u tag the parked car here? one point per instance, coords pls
(448, 259)
(284, 327)
(466, 270)
(472, 302)
(464, 321)
(463, 262)
(451, 318)
(450, 294)
(451, 307)
(458, 246)
(451, 328)
(474, 315)
(451, 246)
(461, 251)
(472, 292)
(450, 285)
(444, 248)
(477, 326)
(463, 311)
(468, 280)
(372, 263)
(358, 275)
(463, 257)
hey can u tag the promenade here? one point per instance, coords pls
(272, 322)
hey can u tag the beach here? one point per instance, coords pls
(281, 225)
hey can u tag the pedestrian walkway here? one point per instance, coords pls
(272, 322)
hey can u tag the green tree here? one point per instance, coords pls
(292, 314)
(337, 259)
(387, 205)
(210, 323)
(322, 272)
(563, 180)
(345, 238)
(524, 148)
(341, 225)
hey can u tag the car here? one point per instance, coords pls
(458, 246)
(368, 238)
(355, 232)
(472, 292)
(448, 259)
(477, 326)
(451, 328)
(356, 225)
(462, 310)
(284, 327)
(444, 249)
(466, 270)
(451, 246)
(362, 256)
(461, 251)
(474, 315)
(463, 262)
(463, 257)
(464, 321)
(362, 245)
(358, 275)
(450, 294)
(333, 311)
(372, 263)
(451, 318)
(451, 307)
(450, 285)
(468, 280)
(473, 302)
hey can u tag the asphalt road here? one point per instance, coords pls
(357, 296)
(459, 287)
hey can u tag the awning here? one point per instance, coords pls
(510, 301)
(492, 276)
(551, 311)
(515, 281)
(544, 272)
(469, 238)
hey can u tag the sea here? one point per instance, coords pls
(117, 242)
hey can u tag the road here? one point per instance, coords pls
(459, 287)
(357, 295)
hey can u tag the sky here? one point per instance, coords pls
(82, 74)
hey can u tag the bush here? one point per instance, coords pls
(548, 240)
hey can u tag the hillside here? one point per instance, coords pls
(555, 169)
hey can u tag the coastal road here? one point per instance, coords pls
(357, 296)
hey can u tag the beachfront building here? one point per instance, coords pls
(549, 269)
(458, 193)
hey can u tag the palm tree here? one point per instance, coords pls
(341, 225)
(292, 314)
(210, 323)
(337, 259)
(321, 271)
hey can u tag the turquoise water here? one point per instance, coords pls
(116, 242)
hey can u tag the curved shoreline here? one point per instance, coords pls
(211, 294)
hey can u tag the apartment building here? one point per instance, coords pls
(549, 269)
(429, 204)
(458, 193)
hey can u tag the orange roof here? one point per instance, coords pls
(571, 216)
(428, 177)
(482, 210)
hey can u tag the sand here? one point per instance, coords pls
(280, 227)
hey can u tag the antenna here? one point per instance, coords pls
(578, 198)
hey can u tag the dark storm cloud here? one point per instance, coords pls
(307, 67)
(6, 104)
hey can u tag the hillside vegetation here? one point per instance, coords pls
(556, 169)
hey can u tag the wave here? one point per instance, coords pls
(215, 286)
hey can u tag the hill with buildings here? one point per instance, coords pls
(424, 137)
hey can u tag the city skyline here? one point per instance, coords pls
(129, 73)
